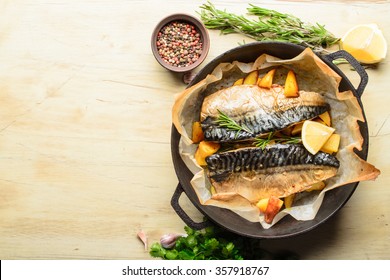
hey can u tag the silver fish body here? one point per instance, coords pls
(258, 110)
(278, 170)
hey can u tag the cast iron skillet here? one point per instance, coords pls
(334, 200)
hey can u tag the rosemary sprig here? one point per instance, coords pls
(227, 122)
(270, 25)
(263, 142)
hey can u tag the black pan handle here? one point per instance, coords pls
(182, 214)
(355, 64)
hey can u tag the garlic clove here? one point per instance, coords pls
(143, 237)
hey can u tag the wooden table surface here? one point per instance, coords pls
(85, 121)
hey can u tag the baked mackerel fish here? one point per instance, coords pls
(278, 170)
(257, 110)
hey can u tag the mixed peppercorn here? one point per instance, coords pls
(179, 44)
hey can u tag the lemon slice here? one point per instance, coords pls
(366, 43)
(315, 135)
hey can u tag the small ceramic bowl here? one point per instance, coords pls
(180, 53)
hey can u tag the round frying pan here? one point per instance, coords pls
(333, 201)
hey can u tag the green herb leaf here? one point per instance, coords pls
(215, 243)
(263, 142)
(227, 122)
(198, 245)
(171, 255)
(157, 251)
(270, 25)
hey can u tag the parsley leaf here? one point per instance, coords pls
(215, 243)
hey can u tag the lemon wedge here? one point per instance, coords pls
(315, 135)
(366, 43)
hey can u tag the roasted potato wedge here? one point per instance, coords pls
(204, 150)
(251, 78)
(267, 80)
(197, 132)
(273, 207)
(291, 85)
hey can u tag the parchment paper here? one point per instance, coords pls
(312, 75)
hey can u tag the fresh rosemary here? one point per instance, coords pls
(227, 122)
(270, 25)
(263, 142)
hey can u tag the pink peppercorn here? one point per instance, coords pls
(179, 44)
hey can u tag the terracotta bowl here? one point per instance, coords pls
(203, 38)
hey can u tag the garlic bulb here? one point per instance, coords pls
(168, 241)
